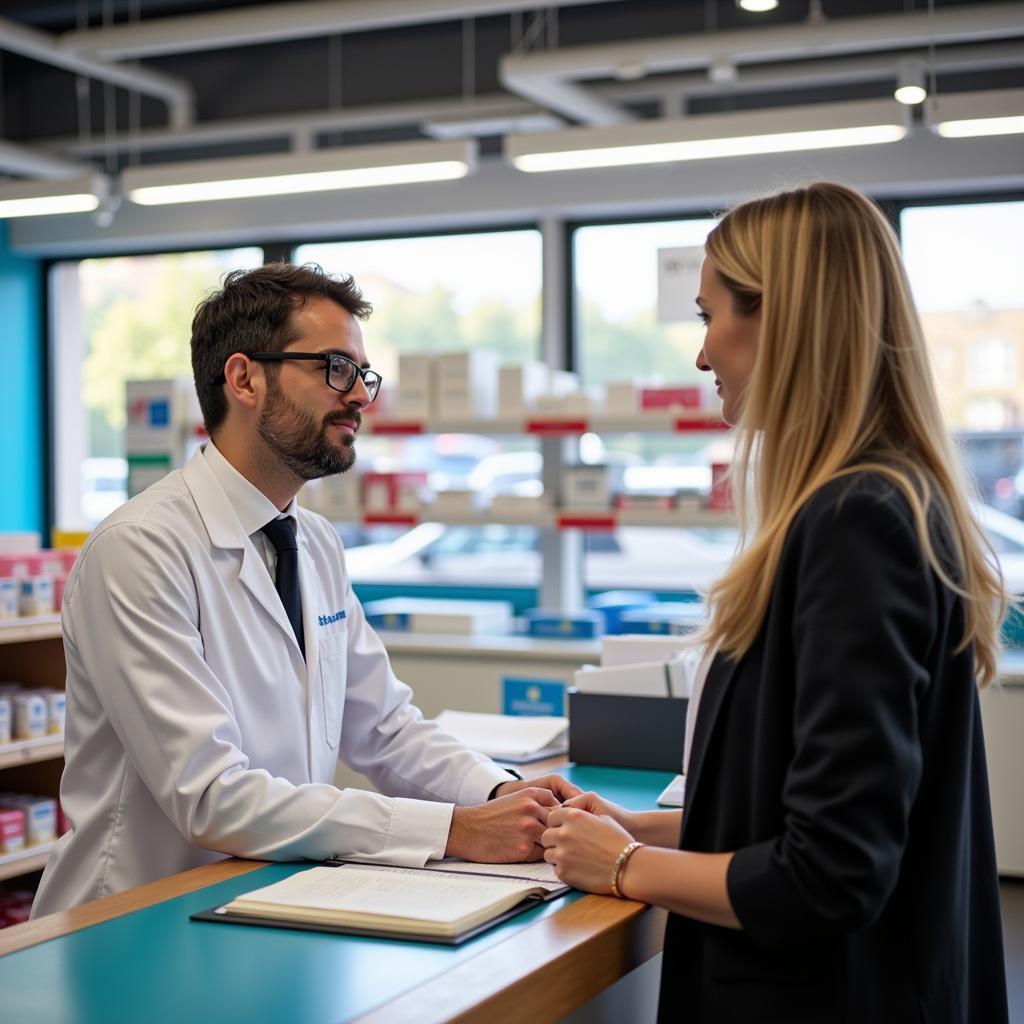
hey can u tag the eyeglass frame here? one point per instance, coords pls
(331, 359)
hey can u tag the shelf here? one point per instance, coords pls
(45, 748)
(563, 518)
(673, 421)
(38, 627)
(24, 862)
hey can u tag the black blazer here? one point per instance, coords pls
(842, 759)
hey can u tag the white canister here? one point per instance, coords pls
(6, 719)
(29, 715)
(55, 706)
(10, 595)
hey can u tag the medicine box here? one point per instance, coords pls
(673, 618)
(467, 385)
(416, 393)
(689, 397)
(519, 387)
(430, 615)
(586, 487)
(390, 492)
(556, 625)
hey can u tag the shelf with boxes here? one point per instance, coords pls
(32, 675)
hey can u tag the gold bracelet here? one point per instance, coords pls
(620, 863)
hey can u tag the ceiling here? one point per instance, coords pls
(265, 76)
(112, 84)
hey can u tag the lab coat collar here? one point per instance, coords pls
(226, 531)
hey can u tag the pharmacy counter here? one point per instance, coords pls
(137, 956)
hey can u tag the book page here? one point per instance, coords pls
(539, 871)
(379, 891)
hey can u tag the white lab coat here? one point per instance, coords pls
(195, 730)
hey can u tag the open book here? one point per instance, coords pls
(447, 901)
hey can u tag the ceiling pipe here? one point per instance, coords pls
(31, 163)
(552, 78)
(298, 128)
(43, 46)
(276, 23)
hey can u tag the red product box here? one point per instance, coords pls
(59, 582)
(666, 398)
(12, 829)
(16, 913)
(16, 566)
(47, 562)
(720, 499)
(63, 821)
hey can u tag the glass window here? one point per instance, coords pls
(966, 269)
(620, 337)
(118, 319)
(447, 293)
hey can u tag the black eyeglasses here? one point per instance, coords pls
(342, 373)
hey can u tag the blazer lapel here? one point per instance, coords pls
(716, 686)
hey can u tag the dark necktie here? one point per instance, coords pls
(281, 533)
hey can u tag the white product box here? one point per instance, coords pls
(158, 412)
(338, 498)
(416, 393)
(622, 398)
(6, 719)
(36, 596)
(458, 502)
(627, 650)
(430, 615)
(19, 543)
(519, 387)
(519, 505)
(586, 487)
(563, 382)
(467, 385)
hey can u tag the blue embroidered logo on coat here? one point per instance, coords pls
(326, 620)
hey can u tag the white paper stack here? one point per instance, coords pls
(642, 679)
(513, 738)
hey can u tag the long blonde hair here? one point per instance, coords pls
(841, 383)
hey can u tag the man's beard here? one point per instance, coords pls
(300, 443)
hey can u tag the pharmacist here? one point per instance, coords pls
(219, 664)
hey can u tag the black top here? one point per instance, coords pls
(842, 759)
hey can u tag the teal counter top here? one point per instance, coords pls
(156, 965)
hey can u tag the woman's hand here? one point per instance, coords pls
(598, 805)
(584, 846)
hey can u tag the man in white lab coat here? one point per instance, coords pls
(210, 695)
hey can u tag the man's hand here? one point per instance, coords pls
(505, 830)
(562, 789)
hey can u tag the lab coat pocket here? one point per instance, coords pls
(333, 657)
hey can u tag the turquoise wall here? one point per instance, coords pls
(21, 389)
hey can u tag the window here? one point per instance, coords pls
(965, 266)
(447, 293)
(118, 319)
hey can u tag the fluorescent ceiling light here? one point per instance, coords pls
(711, 136)
(758, 6)
(971, 114)
(400, 163)
(42, 198)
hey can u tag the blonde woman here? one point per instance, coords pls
(835, 860)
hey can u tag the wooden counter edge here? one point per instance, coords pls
(539, 974)
(52, 926)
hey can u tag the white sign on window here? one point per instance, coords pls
(678, 282)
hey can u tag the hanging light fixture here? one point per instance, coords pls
(43, 198)
(400, 163)
(757, 6)
(911, 87)
(711, 136)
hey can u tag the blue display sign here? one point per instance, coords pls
(532, 696)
